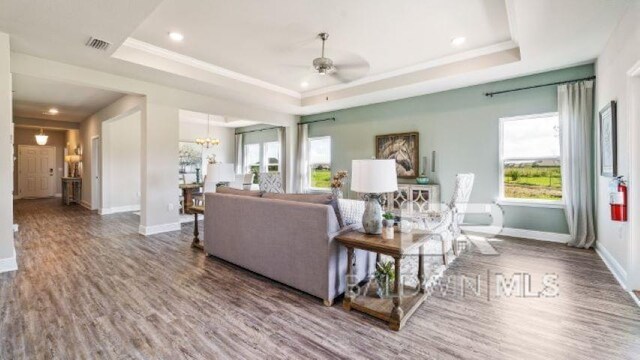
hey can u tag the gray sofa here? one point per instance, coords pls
(287, 241)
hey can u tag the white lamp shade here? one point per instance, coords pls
(41, 139)
(373, 176)
(220, 172)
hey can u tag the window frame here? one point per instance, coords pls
(265, 160)
(309, 187)
(247, 166)
(502, 200)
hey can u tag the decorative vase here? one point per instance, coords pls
(422, 179)
(372, 216)
(337, 193)
(384, 287)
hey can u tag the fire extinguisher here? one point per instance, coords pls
(618, 199)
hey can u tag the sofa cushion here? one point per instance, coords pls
(325, 199)
(232, 191)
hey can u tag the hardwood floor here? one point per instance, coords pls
(89, 287)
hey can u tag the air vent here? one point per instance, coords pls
(98, 44)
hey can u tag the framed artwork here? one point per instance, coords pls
(403, 148)
(190, 157)
(608, 140)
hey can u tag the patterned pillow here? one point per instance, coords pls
(351, 211)
(271, 183)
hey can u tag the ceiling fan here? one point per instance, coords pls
(343, 72)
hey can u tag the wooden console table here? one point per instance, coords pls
(406, 299)
(71, 190)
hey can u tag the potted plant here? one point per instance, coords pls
(388, 219)
(385, 276)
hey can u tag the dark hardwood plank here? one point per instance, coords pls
(90, 287)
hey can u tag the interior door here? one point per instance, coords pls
(36, 166)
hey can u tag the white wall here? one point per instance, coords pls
(619, 56)
(121, 164)
(91, 127)
(7, 250)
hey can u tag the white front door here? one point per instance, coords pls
(36, 170)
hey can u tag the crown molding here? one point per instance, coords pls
(202, 65)
(470, 54)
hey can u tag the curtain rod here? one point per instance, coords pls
(490, 94)
(315, 121)
(265, 129)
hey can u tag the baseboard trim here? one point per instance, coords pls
(58, 195)
(17, 197)
(520, 233)
(614, 267)
(635, 298)
(119, 209)
(9, 264)
(16, 227)
(157, 229)
(85, 205)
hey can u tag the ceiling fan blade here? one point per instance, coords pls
(353, 66)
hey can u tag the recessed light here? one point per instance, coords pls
(304, 84)
(53, 111)
(457, 41)
(176, 36)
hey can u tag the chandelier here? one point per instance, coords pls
(41, 139)
(208, 142)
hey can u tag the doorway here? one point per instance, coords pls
(95, 173)
(36, 170)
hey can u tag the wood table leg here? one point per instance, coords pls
(196, 241)
(397, 313)
(348, 294)
(421, 276)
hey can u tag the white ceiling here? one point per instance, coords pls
(275, 41)
(33, 97)
(258, 51)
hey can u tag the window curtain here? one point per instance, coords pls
(575, 111)
(239, 154)
(302, 156)
(282, 159)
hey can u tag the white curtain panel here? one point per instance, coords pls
(239, 155)
(302, 156)
(575, 110)
(282, 160)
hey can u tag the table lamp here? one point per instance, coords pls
(217, 173)
(373, 177)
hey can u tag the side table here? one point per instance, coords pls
(405, 300)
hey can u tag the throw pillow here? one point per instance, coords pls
(325, 199)
(351, 211)
(270, 183)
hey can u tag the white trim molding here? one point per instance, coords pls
(519, 233)
(616, 269)
(119, 209)
(85, 205)
(16, 227)
(157, 229)
(9, 264)
(58, 195)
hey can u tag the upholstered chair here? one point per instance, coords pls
(271, 183)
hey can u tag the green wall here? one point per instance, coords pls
(462, 127)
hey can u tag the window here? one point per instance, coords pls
(319, 163)
(530, 159)
(252, 160)
(272, 156)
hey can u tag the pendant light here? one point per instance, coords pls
(41, 139)
(208, 142)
